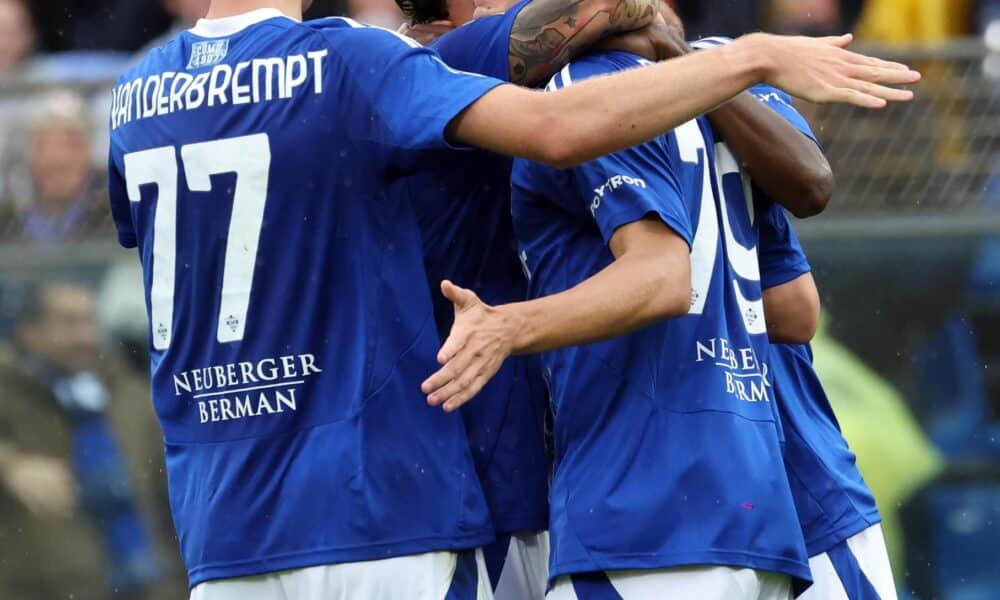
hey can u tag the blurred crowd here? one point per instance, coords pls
(51, 140)
(81, 476)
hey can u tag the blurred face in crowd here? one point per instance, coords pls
(16, 34)
(59, 159)
(187, 11)
(65, 332)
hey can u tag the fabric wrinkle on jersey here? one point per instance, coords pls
(667, 443)
(308, 441)
(463, 209)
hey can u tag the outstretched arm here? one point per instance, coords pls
(547, 34)
(786, 165)
(649, 280)
(606, 114)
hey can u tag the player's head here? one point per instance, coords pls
(286, 6)
(424, 11)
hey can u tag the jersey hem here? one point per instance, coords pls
(313, 558)
(626, 562)
(520, 522)
(827, 541)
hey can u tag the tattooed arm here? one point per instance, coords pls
(547, 34)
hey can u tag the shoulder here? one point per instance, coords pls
(349, 32)
(592, 65)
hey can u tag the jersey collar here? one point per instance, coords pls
(226, 26)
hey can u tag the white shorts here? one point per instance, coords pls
(857, 569)
(681, 583)
(432, 576)
(518, 566)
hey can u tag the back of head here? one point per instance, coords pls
(423, 11)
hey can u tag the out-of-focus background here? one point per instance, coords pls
(907, 258)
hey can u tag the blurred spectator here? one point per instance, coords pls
(17, 35)
(58, 195)
(914, 21)
(80, 461)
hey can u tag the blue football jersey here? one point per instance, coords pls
(463, 207)
(831, 498)
(666, 443)
(291, 322)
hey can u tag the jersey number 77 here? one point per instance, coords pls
(249, 157)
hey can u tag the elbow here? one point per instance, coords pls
(799, 328)
(557, 150)
(557, 142)
(795, 334)
(673, 297)
(816, 190)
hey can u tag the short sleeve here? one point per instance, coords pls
(779, 251)
(481, 45)
(409, 95)
(631, 185)
(121, 210)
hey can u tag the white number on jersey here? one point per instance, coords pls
(250, 158)
(704, 249)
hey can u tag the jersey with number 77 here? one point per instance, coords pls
(291, 321)
(667, 447)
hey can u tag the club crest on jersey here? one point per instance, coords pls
(206, 54)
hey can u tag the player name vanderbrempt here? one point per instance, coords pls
(246, 389)
(246, 82)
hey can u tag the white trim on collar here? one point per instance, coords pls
(226, 26)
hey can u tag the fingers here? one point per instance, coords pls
(459, 399)
(882, 75)
(459, 296)
(855, 97)
(840, 41)
(453, 365)
(453, 378)
(460, 380)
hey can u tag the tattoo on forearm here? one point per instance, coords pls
(549, 33)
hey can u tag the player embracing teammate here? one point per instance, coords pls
(262, 167)
(631, 451)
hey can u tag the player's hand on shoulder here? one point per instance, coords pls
(823, 70)
(481, 339)
(663, 39)
(426, 33)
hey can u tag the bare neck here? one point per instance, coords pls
(229, 8)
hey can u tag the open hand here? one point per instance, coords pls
(479, 342)
(823, 70)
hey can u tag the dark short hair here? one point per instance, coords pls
(423, 11)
